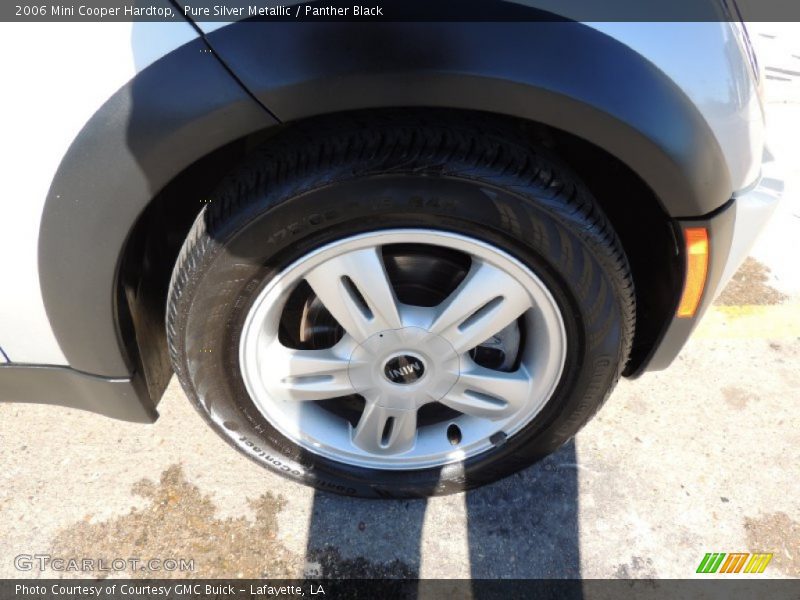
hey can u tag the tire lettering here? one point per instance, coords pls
(278, 464)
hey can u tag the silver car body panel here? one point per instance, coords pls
(58, 93)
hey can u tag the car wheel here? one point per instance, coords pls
(400, 307)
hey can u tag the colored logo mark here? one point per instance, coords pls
(736, 562)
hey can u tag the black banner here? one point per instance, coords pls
(433, 589)
(399, 10)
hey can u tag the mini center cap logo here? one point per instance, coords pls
(404, 369)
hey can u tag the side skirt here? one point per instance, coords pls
(118, 398)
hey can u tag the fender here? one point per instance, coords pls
(562, 74)
(174, 112)
(187, 104)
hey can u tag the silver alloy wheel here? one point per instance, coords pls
(400, 357)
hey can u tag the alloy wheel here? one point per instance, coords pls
(402, 349)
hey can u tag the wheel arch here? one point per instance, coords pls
(163, 130)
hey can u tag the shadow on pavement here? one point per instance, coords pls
(525, 526)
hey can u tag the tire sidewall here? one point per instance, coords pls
(272, 232)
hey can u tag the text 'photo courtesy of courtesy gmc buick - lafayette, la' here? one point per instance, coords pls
(398, 259)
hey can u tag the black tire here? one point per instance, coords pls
(305, 188)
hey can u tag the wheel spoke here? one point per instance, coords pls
(483, 304)
(482, 392)
(355, 288)
(300, 375)
(385, 430)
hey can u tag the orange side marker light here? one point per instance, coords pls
(696, 270)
